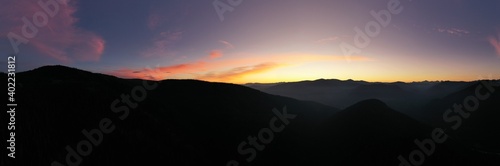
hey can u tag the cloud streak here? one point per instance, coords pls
(453, 31)
(495, 42)
(236, 73)
(328, 40)
(227, 44)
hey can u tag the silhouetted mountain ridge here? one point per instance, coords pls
(190, 122)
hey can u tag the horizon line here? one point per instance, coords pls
(277, 82)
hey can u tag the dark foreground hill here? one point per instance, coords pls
(93, 119)
(175, 122)
(384, 136)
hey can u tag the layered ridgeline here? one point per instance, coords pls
(409, 98)
(67, 116)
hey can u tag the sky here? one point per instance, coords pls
(249, 41)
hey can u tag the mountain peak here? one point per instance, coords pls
(370, 106)
(374, 103)
(60, 72)
(55, 68)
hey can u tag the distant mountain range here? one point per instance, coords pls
(190, 122)
(409, 98)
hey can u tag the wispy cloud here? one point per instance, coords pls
(227, 44)
(238, 72)
(453, 31)
(60, 39)
(328, 40)
(161, 44)
(495, 42)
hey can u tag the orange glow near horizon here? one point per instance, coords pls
(267, 68)
(291, 68)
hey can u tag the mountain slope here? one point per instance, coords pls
(478, 129)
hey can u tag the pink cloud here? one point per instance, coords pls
(495, 42)
(215, 54)
(159, 72)
(59, 38)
